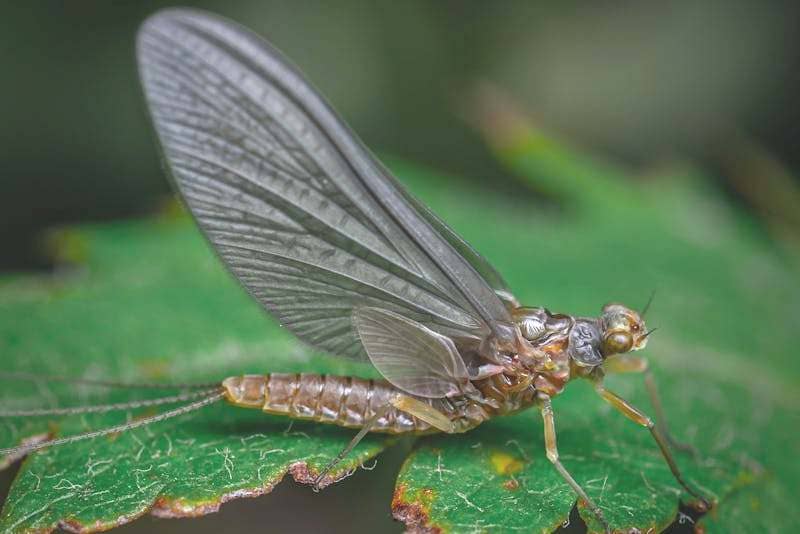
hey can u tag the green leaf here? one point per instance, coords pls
(151, 302)
(148, 301)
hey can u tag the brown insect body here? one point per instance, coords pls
(351, 402)
(340, 400)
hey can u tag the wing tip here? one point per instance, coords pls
(170, 18)
(172, 15)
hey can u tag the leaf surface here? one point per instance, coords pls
(722, 355)
(148, 300)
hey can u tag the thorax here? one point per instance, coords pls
(521, 385)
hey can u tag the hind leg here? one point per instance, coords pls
(409, 405)
(349, 447)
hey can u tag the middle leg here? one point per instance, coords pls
(552, 455)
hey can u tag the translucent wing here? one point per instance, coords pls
(308, 221)
(478, 262)
(410, 356)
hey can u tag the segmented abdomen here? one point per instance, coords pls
(341, 400)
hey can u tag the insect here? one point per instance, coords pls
(327, 240)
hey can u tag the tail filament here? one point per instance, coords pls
(210, 397)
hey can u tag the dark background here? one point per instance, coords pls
(634, 81)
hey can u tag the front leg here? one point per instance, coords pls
(637, 416)
(627, 363)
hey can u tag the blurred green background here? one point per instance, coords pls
(640, 83)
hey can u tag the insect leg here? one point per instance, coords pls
(404, 403)
(637, 416)
(625, 363)
(552, 455)
(425, 412)
(381, 412)
(635, 364)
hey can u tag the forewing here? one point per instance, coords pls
(409, 355)
(295, 206)
(467, 251)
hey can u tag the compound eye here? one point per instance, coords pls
(616, 343)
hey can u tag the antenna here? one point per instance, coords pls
(102, 408)
(196, 405)
(649, 332)
(649, 302)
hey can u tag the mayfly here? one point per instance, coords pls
(326, 239)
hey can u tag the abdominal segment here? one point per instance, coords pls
(340, 400)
